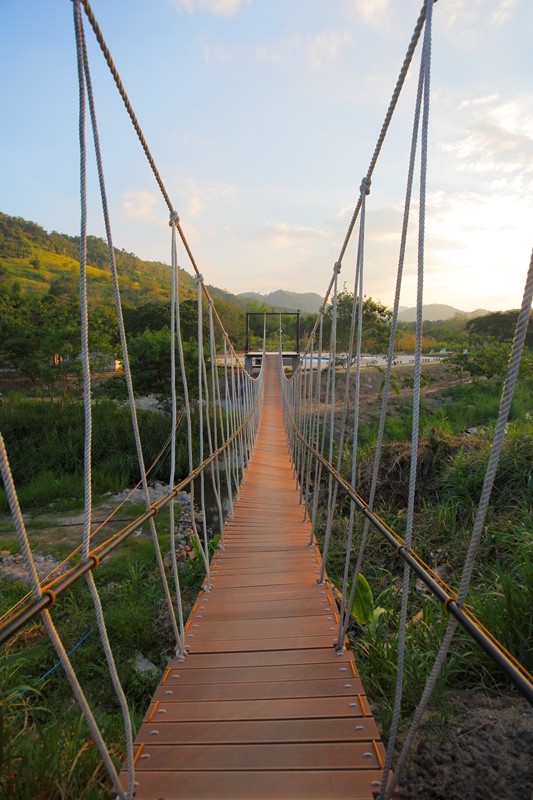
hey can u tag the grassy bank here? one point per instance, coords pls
(453, 450)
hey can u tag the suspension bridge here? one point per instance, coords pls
(262, 706)
(263, 697)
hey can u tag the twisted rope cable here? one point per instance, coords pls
(332, 382)
(174, 301)
(212, 428)
(425, 72)
(51, 631)
(499, 432)
(127, 370)
(225, 423)
(357, 314)
(200, 377)
(318, 469)
(382, 136)
(55, 573)
(144, 144)
(84, 81)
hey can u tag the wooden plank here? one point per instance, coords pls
(286, 756)
(261, 690)
(300, 708)
(257, 673)
(258, 658)
(244, 784)
(326, 729)
(263, 706)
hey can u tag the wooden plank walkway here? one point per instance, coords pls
(262, 707)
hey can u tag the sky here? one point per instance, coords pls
(262, 116)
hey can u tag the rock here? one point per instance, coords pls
(143, 666)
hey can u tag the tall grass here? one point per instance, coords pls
(54, 437)
(45, 747)
(454, 446)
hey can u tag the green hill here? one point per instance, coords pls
(41, 262)
(43, 267)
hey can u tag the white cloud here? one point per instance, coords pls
(504, 12)
(314, 50)
(138, 204)
(219, 8)
(283, 233)
(215, 53)
(470, 15)
(498, 144)
(195, 199)
(372, 11)
(326, 46)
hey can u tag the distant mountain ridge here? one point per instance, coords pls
(435, 312)
(39, 261)
(309, 302)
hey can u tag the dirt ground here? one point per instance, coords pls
(485, 753)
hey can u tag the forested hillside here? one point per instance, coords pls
(39, 310)
(41, 262)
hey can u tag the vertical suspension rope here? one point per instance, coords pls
(212, 422)
(357, 329)
(201, 366)
(332, 359)
(181, 652)
(425, 71)
(84, 81)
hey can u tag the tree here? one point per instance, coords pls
(150, 316)
(149, 354)
(485, 360)
(376, 323)
(500, 325)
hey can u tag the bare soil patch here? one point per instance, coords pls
(485, 752)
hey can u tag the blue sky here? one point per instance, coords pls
(262, 116)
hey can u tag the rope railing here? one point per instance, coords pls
(226, 419)
(227, 408)
(317, 428)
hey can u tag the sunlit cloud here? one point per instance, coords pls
(504, 12)
(138, 204)
(195, 199)
(326, 46)
(473, 14)
(283, 233)
(220, 8)
(215, 53)
(313, 50)
(498, 144)
(372, 11)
